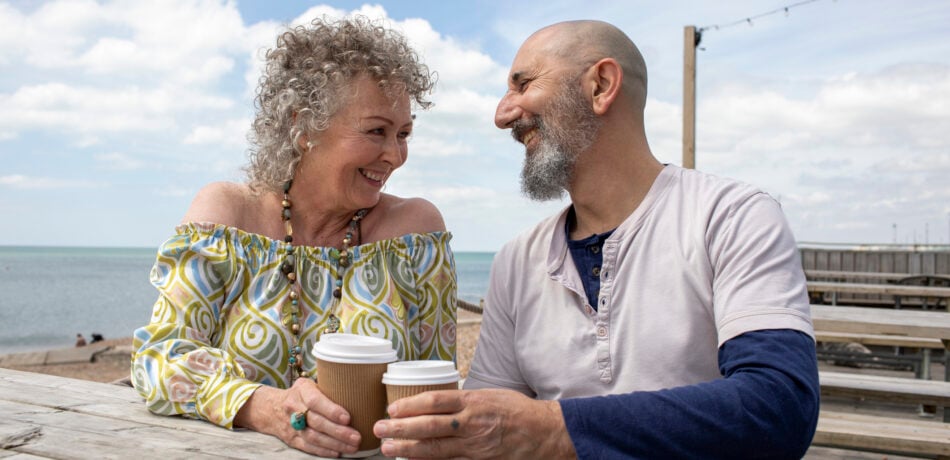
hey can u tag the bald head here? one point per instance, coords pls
(586, 42)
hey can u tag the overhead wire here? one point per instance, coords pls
(749, 19)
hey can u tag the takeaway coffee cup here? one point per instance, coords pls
(408, 378)
(350, 369)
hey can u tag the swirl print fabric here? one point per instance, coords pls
(216, 334)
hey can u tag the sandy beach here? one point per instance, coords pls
(113, 364)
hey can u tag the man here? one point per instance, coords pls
(663, 314)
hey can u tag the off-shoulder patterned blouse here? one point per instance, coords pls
(215, 334)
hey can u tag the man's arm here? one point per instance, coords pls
(765, 407)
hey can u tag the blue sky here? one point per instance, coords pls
(113, 114)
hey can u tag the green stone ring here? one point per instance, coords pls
(298, 420)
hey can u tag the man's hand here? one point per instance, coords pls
(474, 424)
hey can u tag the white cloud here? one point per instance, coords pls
(87, 140)
(231, 133)
(173, 192)
(88, 68)
(457, 66)
(11, 32)
(431, 146)
(864, 117)
(118, 161)
(180, 42)
(465, 102)
(841, 152)
(84, 110)
(18, 181)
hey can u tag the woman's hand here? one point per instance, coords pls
(327, 434)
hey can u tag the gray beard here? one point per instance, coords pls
(572, 127)
(547, 173)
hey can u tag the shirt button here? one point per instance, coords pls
(601, 331)
(595, 249)
(595, 271)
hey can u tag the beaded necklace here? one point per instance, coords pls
(291, 308)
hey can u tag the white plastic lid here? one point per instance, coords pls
(420, 373)
(354, 349)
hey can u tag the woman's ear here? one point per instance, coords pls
(304, 142)
(605, 78)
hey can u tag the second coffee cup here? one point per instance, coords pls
(408, 378)
(349, 371)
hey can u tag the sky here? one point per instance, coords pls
(113, 114)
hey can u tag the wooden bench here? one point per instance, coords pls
(883, 434)
(883, 388)
(862, 432)
(920, 362)
(848, 276)
(879, 339)
(836, 288)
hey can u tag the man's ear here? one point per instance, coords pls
(605, 79)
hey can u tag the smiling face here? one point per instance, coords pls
(350, 162)
(547, 111)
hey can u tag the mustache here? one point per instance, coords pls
(521, 126)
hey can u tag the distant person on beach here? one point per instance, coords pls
(80, 340)
(96, 337)
(662, 314)
(311, 245)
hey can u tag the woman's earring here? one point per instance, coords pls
(309, 145)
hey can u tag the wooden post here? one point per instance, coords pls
(689, 97)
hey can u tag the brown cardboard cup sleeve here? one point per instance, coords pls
(350, 370)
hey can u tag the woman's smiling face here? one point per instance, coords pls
(366, 141)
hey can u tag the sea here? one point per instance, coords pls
(50, 294)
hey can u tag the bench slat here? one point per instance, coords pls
(873, 433)
(879, 339)
(890, 389)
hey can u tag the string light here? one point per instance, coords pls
(748, 20)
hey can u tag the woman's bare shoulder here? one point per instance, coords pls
(401, 216)
(225, 203)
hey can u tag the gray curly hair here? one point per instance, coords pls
(304, 85)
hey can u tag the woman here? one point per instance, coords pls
(256, 273)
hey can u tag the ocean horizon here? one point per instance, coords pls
(51, 293)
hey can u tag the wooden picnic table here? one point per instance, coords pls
(44, 416)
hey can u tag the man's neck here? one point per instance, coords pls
(605, 192)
